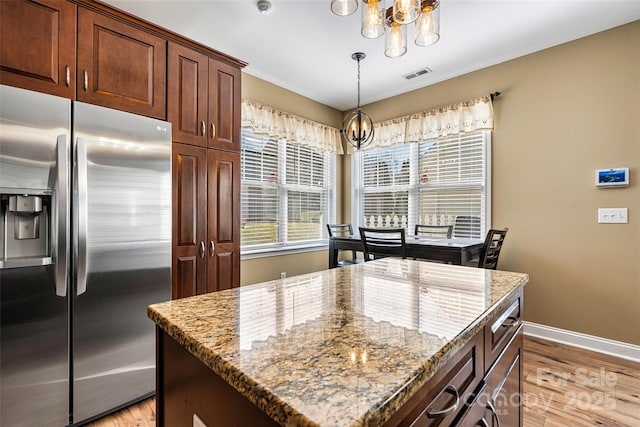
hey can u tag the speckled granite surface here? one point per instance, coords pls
(342, 347)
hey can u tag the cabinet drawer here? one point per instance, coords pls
(500, 329)
(444, 396)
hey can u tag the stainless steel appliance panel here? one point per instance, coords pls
(122, 223)
(34, 338)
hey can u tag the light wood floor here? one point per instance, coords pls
(563, 387)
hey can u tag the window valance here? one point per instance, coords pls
(468, 116)
(267, 121)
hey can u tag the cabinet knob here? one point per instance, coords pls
(212, 248)
(85, 84)
(203, 127)
(202, 251)
(213, 131)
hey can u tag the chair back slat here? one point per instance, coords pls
(383, 242)
(340, 230)
(434, 230)
(491, 249)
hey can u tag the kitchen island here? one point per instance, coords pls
(387, 342)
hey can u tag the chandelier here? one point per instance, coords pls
(376, 20)
(357, 127)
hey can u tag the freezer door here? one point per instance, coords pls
(122, 222)
(35, 132)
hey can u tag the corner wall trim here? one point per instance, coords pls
(588, 342)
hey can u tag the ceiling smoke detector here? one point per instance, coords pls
(418, 73)
(264, 6)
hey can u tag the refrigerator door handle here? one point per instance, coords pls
(62, 216)
(81, 215)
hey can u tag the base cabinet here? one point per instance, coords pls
(464, 392)
(206, 212)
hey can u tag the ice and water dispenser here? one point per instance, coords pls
(25, 230)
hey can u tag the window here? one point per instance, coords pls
(441, 182)
(287, 195)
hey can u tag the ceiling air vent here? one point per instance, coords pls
(418, 73)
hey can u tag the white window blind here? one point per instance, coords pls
(440, 182)
(287, 194)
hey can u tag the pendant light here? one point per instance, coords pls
(357, 127)
(376, 20)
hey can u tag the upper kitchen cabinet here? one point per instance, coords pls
(120, 66)
(38, 46)
(187, 72)
(203, 99)
(224, 106)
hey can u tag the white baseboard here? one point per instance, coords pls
(588, 342)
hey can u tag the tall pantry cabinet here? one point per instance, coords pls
(203, 101)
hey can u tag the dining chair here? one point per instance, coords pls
(383, 242)
(467, 226)
(344, 230)
(434, 230)
(491, 249)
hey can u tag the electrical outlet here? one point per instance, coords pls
(613, 216)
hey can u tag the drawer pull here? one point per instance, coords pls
(510, 322)
(444, 412)
(85, 80)
(67, 75)
(212, 248)
(494, 413)
(213, 130)
(203, 127)
(201, 251)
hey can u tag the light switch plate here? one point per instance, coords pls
(613, 216)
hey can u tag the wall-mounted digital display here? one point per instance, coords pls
(618, 177)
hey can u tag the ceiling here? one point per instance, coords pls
(301, 46)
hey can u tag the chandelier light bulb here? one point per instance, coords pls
(406, 11)
(344, 7)
(373, 19)
(428, 25)
(396, 43)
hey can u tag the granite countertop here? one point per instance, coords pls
(341, 347)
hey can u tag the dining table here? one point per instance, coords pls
(455, 250)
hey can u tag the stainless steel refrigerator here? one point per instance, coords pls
(85, 196)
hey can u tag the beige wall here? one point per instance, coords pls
(563, 113)
(268, 268)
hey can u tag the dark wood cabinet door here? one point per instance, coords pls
(187, 79)
(120, 66)
(189, 220)
(224, 106)
(223, 269)
(504, 386)
(38, 45)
